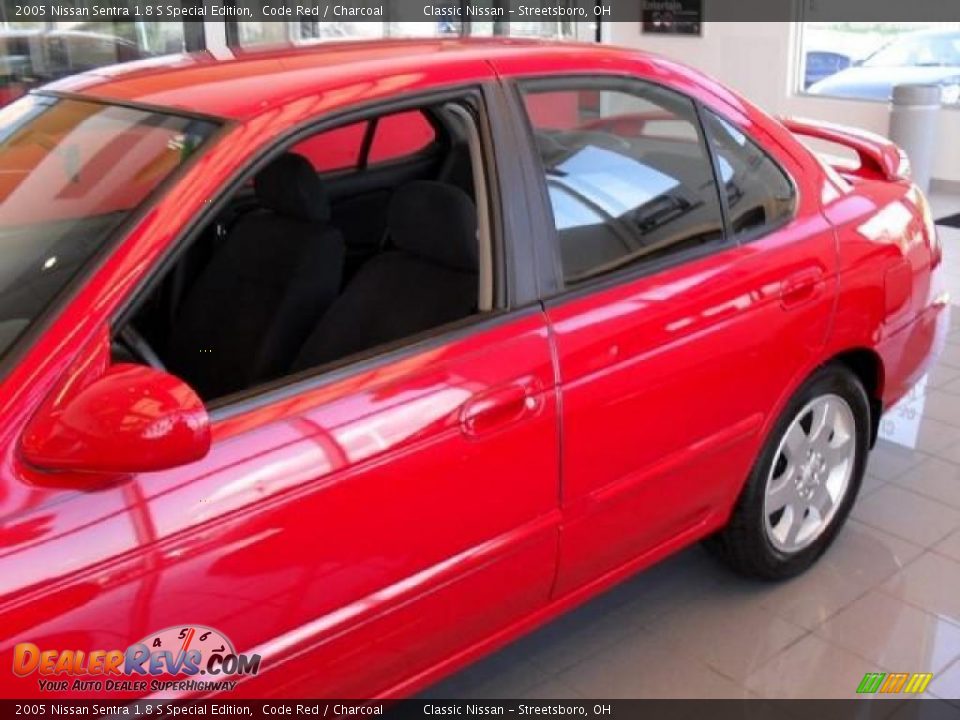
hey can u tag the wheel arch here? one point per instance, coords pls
(867, 365)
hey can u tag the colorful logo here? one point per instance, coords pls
(176, 652)
(913, 683)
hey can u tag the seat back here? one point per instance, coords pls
(273, 276)
(427, 280)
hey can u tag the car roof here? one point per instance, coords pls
(250, 83)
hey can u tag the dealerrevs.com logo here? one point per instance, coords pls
(186, 658)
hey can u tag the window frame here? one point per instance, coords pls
(508, 303)
(550, 238)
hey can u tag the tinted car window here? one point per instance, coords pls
(628, 175)
(395, 137)
(759, 194)
(337, 149)
(70, 173)
(400, 135)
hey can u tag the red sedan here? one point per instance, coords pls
(327, 371)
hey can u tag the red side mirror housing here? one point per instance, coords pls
(132, 419)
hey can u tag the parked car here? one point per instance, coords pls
(335, 368)
(821, 64)
(925, 57)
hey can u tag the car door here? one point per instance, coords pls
(356, 529)
(682, 316)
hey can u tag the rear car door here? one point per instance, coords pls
(682, 315)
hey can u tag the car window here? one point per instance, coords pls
(759, 194)
(337, 149)
(71, 172)
(354, 265)
(400, 135)
(395, 137)
(628, 174)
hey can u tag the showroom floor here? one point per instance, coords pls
(886, 596)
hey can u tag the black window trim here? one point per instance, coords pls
(562, 292)
(483, 95)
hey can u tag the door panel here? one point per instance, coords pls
(667, 382)
(354, 534)
(693, 305)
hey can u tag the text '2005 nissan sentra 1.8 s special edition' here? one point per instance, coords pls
(327, 371)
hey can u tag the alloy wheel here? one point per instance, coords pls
(810, 474)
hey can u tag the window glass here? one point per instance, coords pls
(337, 149)
(72, 172)
(396, 136)
(400, 135)
(628, 175)
(866, 60)
(759, 195)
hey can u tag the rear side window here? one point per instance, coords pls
(395, 137)
(760, 197)
(628, 174)
(398, 136)
(337, 149)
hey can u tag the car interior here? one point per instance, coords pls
(349, 240)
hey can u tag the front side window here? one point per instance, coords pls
(759, 195)
(334, 252)
(628, 174)
(71, 172)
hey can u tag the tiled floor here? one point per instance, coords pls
(886, 597)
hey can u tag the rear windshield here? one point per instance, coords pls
(71, 172)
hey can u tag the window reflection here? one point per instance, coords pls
(759, 194)
(628, 175)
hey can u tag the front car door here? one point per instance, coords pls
(358, 529)
(678, 332)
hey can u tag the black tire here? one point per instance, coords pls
(743, 543)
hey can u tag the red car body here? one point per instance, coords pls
(371, 531)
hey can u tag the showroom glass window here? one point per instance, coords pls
(866, 60)
(628, 174)
(35, 53)
(760, 197)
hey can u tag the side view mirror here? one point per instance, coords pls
(132, 419)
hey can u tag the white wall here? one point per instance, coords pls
(758, 59)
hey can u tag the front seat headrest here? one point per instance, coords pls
(289, 186)
(435, 221)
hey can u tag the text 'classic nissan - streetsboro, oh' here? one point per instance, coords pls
(326, 371)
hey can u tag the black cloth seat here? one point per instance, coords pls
(273, 276)
(429, 277)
